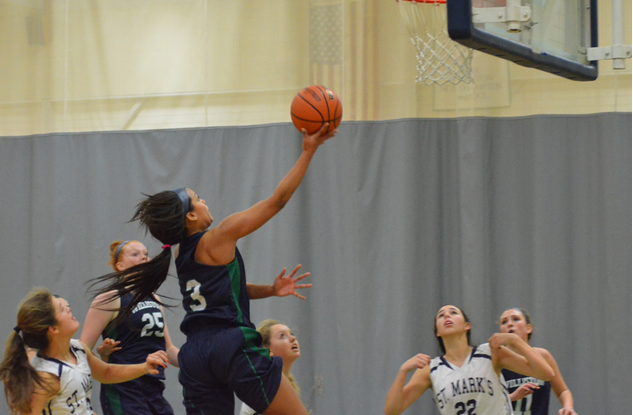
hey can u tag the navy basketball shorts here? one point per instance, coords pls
(142, 396)
(216, 363)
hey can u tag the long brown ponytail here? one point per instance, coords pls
(35, 315)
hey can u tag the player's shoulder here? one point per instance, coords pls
(78, 345)
(437, 360)
(439, 365)
(482, 349)
(109, 298)
(51, 384)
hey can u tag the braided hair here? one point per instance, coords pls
(163, 215)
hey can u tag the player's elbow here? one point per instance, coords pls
(547, 374)
(275, 203)
(280, 204)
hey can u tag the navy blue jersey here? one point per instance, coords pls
(534, 404)
(212, 295)
(140, 334)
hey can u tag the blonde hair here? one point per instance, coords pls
(265, 329)
(36, 313)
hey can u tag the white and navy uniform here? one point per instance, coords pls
(473, 388)
(75, 382)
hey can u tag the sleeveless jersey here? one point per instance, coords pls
(472, 388)
(75, 382)
(534, 404)
(212, 295)
(140, 334)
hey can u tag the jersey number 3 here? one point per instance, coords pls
(469, 406)
(198, 301)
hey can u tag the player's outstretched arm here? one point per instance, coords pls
(243, 223)
(281, 287)
(401, 396)
(110, 373)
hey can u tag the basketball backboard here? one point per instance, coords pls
(550, 35)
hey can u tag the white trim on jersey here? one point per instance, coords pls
(472, 388)
(75, 382)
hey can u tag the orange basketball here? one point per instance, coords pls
(314, 106)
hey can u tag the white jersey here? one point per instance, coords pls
(473, 388)
(75, 384)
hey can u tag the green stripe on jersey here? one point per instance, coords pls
(250, 336)
(234, 274)
(114, 400)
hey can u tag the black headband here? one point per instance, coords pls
(118, 250)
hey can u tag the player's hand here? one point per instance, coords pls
(284, 286)
(418, 361)
(524, 390)
(567, 411)
(503, 339)
(311, 142)
(108, 347)
(154, 360)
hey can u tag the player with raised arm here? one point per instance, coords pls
(222, 355)
(464, 379)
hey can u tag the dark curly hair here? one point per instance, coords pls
(164, 216)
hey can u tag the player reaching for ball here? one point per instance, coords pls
(222, 354)
(314, 106)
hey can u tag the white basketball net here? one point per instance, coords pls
(440, 59)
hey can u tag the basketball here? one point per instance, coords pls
(314, 106)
